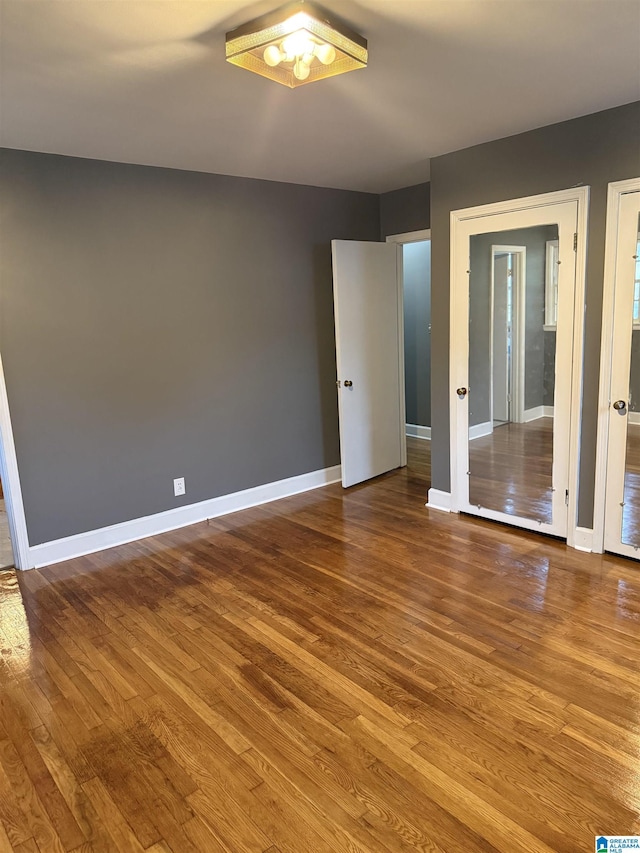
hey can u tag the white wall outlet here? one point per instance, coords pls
(178, 486)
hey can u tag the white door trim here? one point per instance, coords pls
(410, 236)
(615, 191)
(402, 407)
(11, 483)
(518, 333)
(580, 195)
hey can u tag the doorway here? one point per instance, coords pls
(416, 298)
(368, 284)
(508, 265)
(516, 379)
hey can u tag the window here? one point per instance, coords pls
(551, 287)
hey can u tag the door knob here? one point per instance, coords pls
(348, 383)
(620, 405)
(461, 392)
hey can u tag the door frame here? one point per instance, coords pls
(615, 191)
(11, 484)
(580, 195)
(403, 239)
(517, 335)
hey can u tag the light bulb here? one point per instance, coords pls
(272, 55)
(297, 44)
(326, 53)
(301, 70)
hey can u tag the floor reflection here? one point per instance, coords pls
(6, 551)
(631, 508)
(511, 470)
(15, 637)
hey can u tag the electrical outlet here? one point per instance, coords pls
(178, 486)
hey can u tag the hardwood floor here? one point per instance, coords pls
(338, 671)
(510, 470)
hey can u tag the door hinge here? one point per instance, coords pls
(566, 497)
(575, 242)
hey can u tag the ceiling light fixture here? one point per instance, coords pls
(297, 44)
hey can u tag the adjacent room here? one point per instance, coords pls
(319, 431)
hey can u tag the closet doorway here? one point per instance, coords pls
(617, 504)
(518, 465)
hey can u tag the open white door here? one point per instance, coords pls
(622, 495)
(369, 350)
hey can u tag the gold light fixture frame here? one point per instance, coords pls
(245, 46)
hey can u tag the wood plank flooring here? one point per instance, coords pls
(338, 671)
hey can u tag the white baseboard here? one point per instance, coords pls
(480, 430)
(162, 522)
(417, 431)
(537, 412)
(634, 417)
(439, 500)
(583, 539)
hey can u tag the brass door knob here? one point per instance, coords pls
(620, 405)
(348, 383)
(461, 392)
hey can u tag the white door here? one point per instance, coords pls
(622, 498)
(368, 312)
(519, 473)
(501, 335)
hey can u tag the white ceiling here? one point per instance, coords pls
(145, 81)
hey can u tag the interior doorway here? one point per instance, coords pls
(416, 298)
(508, 288)
(370, 325)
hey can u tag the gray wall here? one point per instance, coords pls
(593, 150)
(416, 261)
(158, 324)
(405, 210)
(534, 240)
